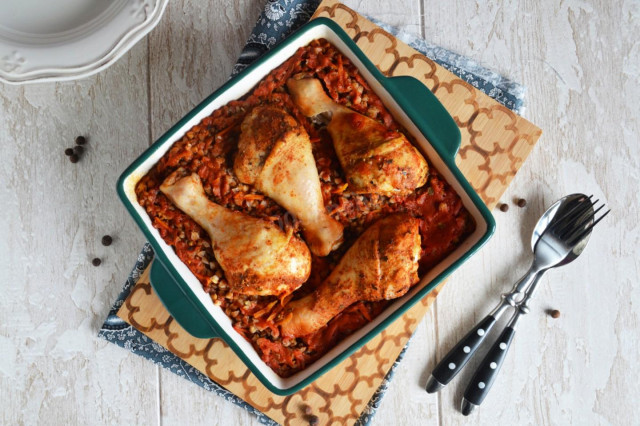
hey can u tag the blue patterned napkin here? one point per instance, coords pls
(279, 19)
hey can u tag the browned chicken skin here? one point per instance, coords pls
(381, 264)
(274, 155)
(257, 257)
(374, 159)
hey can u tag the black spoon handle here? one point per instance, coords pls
(457, 357)
(487, 372)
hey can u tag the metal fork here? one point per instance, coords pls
(563, 236)
(561, 243)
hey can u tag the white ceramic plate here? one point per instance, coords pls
(45, 40)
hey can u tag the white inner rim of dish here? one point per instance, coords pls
(236, 91)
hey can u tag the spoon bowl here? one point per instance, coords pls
(559, 207)
(571, 215)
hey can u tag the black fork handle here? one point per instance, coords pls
(487, 372)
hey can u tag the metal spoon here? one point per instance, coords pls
(561, 242)
(561, 216)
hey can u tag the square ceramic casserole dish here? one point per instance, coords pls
(412, 105)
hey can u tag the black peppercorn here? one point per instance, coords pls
(555, 314)
(74, 158)
(96, 261)
(107, 240)
(314, 420)
(522, 202)
(78, 149)
(68, 152)
(504, 207)
(81, 140)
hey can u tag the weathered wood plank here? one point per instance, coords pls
(53, 367)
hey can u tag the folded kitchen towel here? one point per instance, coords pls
(280, 18)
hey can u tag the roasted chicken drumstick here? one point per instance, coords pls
(375, 159)
(381, 264)
(274, 155)
(257, 257)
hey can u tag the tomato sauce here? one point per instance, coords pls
(208, 149)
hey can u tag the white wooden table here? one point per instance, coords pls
(581, 63)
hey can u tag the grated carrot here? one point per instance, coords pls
(252, 197)
(340, 189)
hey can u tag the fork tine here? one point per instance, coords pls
(600, 218)
(570, 212)
(581, 227)
(597, 210)
(568, 219)
(579, 223)
(576, 238)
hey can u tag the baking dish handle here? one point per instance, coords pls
(426, 111)
(179, 305)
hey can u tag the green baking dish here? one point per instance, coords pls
(412, 105)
